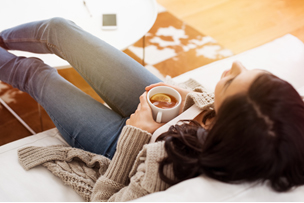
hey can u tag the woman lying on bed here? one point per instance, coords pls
(253, 132)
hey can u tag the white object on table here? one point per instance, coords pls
(134, 19)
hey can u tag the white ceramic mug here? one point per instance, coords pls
(164, 115)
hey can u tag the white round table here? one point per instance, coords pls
(134, 19)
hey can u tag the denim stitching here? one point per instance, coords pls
(23, 40)
(34, 40)
(54, 46)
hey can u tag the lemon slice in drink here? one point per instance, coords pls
(161, 98)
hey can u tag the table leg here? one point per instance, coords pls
(16, 116)
(144, 44)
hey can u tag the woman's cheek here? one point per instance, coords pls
(217, 94)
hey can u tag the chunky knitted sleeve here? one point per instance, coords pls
(92, 176)
(111, 186)
(77, 168)
(201, 98)
(144, 176)
(199, 95)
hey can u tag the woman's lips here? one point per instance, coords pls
(225, 73)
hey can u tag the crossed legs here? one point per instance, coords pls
(82, 121)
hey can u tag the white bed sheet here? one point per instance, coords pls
(37, 184)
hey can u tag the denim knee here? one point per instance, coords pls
(58, 23)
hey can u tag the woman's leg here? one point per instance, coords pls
(117, 78)
(82, 121)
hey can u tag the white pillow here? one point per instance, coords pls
(204, 189)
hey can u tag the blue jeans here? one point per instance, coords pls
(82, 121)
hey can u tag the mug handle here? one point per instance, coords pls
(159, 117)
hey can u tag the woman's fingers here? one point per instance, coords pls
(155, 85)
(138, 107)
(142, 118)
(143, 100)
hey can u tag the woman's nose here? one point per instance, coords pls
(237, 68)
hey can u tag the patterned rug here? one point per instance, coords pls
(171, 48)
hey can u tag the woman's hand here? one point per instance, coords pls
(182, 92)
(142, 118)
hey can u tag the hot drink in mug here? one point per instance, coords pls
(164, 102)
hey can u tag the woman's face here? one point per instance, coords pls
(236, 80)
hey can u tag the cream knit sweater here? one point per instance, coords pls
(132, 173)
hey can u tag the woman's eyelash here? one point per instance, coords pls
(228, 82)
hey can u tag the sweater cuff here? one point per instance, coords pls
(30, 157)
(200, 98)
(130, 143)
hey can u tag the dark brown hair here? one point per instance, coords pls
(258, 136)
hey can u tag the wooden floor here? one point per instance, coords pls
(237, 25)
(240, 25)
